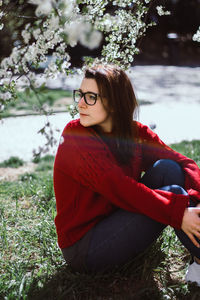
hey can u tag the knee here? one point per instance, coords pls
(170, 167)
(167, 164)
(164, 172)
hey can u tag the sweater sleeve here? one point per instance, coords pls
(153, 149)
(86, 160)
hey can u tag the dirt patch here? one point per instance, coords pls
(12, 174)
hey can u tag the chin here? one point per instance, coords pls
(85, 124)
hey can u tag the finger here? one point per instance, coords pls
(196, 234)
(194, 241)
(194, 229)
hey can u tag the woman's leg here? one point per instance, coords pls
(123, 235)
(120, 237)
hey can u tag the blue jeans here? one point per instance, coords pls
(123, 235)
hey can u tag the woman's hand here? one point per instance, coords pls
(191, 223)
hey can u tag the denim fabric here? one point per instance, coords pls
(123, 235)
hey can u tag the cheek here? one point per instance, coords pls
(103, 114)
(102, 111)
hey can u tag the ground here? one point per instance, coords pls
(12, 174)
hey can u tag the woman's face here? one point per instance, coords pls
(93, 114)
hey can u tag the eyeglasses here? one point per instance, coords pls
(90, 98)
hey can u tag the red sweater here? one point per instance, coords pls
(89, 184)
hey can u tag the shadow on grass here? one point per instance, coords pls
(152, 275)
(68, 285)
(135, 280)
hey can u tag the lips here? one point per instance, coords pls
(83, 115)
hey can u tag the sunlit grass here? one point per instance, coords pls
(31, 264)
(28, 239)
(189, 149)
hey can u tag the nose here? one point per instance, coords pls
(81, 102)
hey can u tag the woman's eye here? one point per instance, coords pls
(92, 97)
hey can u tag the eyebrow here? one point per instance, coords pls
(88, 92)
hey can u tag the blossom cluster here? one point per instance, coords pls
(161, 11)
(122, 26)
(126, 28)
(58, 25)
(63, 23)
(67, 22)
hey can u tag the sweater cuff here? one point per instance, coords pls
(194, 195)
(180, 203)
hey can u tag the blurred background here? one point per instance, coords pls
(165, 75)
(168, 43)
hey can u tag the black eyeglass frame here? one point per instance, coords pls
(82, 95)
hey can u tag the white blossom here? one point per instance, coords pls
(36, 33)
(73, 31)
(196, 36)
(52, 70)
(5, 63)
(122, 3)
(44, 7)
(61, 140)
(91, 40)
(5, 96)
(69, 8)
(53, 22)
(65, 65)
(26, 36)
(31, 53)
(15, 55)
(161, 11)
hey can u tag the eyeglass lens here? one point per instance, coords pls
(89, 98)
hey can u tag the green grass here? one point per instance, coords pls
(28, 101)
(32, 267)
(12, 162)
(189, 149)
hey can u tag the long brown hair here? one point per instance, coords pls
(115, 86)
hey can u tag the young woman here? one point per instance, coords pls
(117, 185)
